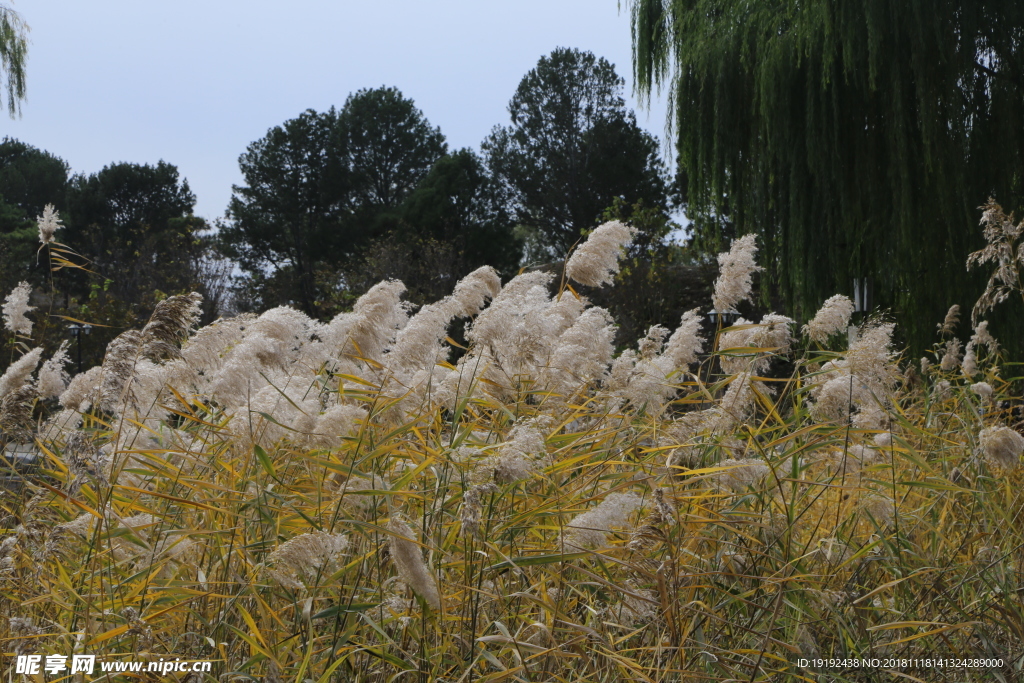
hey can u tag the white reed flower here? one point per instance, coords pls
(519, 457)
(408, 558)
(14, 309)
(837, 397)
(520, 297)
(170, 324)
(119, 371)
(832, 318)
(733, 344)
(596, 261)
(370, 328)
(206, 350)
(740, 397)
(18, 372)
(591, 528)
(871, 415)
(581, 353)
(474, 291)
(881, 507)
(870, 358)
(307, 558)
(951, 356)
(418, 344)
(335, 423)
(742, 474)
(652, 342)
(83, 389)
(686, 343)
(49, 223)
(736, 267)
(1002, 446)
(970, 362)
(636, 607)
(772, 336)
(948, 326)
(982, 389)
(982, 337)
(53, 378)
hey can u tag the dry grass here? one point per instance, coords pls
(833, 541)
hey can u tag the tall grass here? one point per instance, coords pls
(311, 502)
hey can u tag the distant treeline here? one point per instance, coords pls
(336, 201)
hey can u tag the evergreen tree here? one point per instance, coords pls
(856, 137)
(572, 149)
(288, 215)
(30, 179)
(387, 146)
(134, 222)
(320, 189)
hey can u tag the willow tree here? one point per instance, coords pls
(13, 50)
(857, 137)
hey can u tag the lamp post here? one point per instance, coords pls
(726, 317)
(77, 329)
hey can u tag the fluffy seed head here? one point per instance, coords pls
(736, 267)
(307, 558)
(52, 378)
(1002, 446)
(948, 326)
(83, 389)
(591, 528)
(982, 337)
(522, 454)
(18, 372)
(951, 356)
(970, 362)
(334, 424)
(686, 343)
(596, 261)
(172, 320)
(409, 560)
(982, 389)
(742, 474)
(49, 223)
(870, 358)
(882, 508)
(119, 370)
(15, 307)
(832, 318)
(475, 290)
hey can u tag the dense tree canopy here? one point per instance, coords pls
(460, 204)
(452, 223)
(387, 146)
(323, 186)
(572, 149)
(29, 180)
(134, 222)
(288, 215)
(857, 138)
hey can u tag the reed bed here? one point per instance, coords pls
(347, 501)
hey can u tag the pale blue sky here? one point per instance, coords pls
(194, 82)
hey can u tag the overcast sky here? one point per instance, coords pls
(193, 83)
